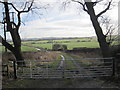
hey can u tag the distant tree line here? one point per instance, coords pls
(61, 41)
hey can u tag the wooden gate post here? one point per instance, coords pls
(113, 67)
(63, 67)
(63, 75)
(14, 66)
(7, 71)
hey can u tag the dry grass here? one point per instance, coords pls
(40, 55)
(83, 55)
(86, 55)
(6, 57)
(31, 56)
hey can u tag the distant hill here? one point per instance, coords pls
(53, 38)
(56, 38)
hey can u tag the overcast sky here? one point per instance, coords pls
(57, 21)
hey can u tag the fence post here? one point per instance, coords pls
(63, 73)
(47, 70)
(14, 66)
(63, 67)
(30, 69)
(7, 70)
(113, 67)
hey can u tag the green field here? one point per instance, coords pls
(71, 43)
(24, 48)
(61, 40)
(70, 46)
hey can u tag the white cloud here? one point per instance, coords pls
(71, 22)
(59, 28)
(68, 23)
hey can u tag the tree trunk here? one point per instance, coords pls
(7, 18)
(17, 46)
(101, 37)
(18, 56)
(16, 49)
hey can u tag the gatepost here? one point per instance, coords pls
(113, 67)
(14, 66)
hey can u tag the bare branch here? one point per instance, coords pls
(29, 8)
(14, 24)
(19, 20)
(24, 11)
(110, 28)
(25, 6)
(23, 23)
(97, 1)
(83, 5)
(66, 3)
(13, 7)
(104, 9)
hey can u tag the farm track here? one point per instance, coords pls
(80, 70)
(62, 62)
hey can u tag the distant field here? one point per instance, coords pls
(2, 48)
(26, 48)
(23, 48)
(63, 40)
(71, 43)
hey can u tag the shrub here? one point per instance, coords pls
(59, 47)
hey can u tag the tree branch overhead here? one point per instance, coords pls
(102, 12)
(83, 5)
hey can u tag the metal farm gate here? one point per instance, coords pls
(74, 68)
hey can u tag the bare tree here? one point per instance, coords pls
(88, 7)
(111, 29)
(14, 31)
